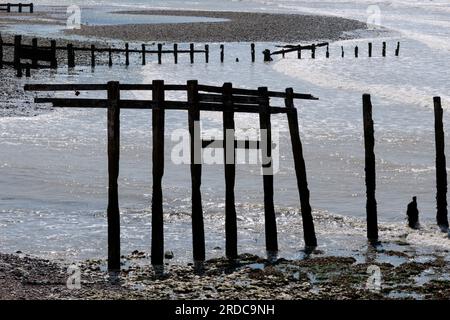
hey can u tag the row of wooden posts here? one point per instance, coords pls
(313, 48)
(7, 7)
(35, 53)
(225, 99)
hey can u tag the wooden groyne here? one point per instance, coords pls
(312, 49)
(20, 6)
(225, 99)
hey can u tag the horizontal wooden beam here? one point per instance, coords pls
(148, 104)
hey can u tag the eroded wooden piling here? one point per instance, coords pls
(441, 165)
(158, 172)
(93, 56)
(383, 52)
(370, 50)
(267, 167)
(198, 232)
(230, 173)
(253, 52)
(127, 54)
(222, 53)
(70, 56)
(159, 53)
(191, 52)
(143, 55)
(175, 53)
(369, 144)
(113, 174)
(309, 233)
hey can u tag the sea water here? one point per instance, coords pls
(53, 169)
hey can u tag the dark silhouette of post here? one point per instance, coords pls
(369, 144)
(53, 60)
(191, 52)
(110, 62)
(356, 52)
(327, 54)
(384, 49)
(230, 172)
(159, 53)
(342, 51)
(313, 51)
(93, 56)
(252, 52)
(143, 55)
(70, 56)
(158, 172)
(198, 231)
(175, 53)
(267, 166)
(222, 53)
(397, 50)
(309, 233)
(34, 45)
(113, 174)
(127, 54)
(206, 53)
(441, 166)
(267, 55)
(413, 214)
(17, 49)
(370, 50)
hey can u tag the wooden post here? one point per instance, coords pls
(370, 49)
(143, 54)
(441, 166)
(369, 144)
(299, 53)
(384, 49)
(8, 7)
(158, 172)
(31, 8)
(356, 51)
(113, 174)
(230, 172)
(397, 50)
(70, 56)
(191, 52)
(19, 71)
(93, 56)
(17, 49)
(342, 52)
(253, 52)
(20, 7)
(206, 53)
(328, 52)
(222, 53)
(27, 70)
(313, 51)
(159, 53)
(127, 54)
(267, 55)
(198, 232)
(54, 62)
(110, 62)
(175, 52)
(266, 151)
(309, 233)
(34, 44)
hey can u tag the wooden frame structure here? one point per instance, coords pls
(225, 99)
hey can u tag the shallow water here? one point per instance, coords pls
(53, 167)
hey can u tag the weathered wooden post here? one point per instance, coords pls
(8, 7)
(127, 54)
(222, 53)
(369, 144)
(175, 52)
(20, 7)
(309, 233)
(397, 50)
(70, 56)
(54, 61)
(370, 50)
(342, 52)
(313, 51)
(267, 167)
(31, 8)
(110, 62)
(253, 52)
(143, 54)
(267, 55)
(17, 49)
(159, 53)
(113, 175)
(93, 56)
(27, 70)
(206, 53)
(356, 52)
(230, 172)
(384, 49)
(198, 232)
(441, 166)
(299, 52)
(158, 172)
(191, 52)
(328, 52)
(34, 45)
